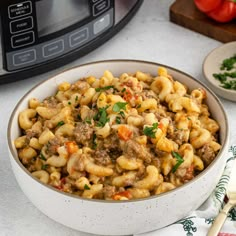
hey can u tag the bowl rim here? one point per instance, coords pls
(225, 93)
(70, 195)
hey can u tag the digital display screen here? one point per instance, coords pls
(55, 15)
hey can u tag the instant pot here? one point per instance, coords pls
(40, 35)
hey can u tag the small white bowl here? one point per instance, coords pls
(212, 65)
(118, 217)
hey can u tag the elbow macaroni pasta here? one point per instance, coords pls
(118, 138)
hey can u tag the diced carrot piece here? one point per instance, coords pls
(160, 126)
(71, 147)
(124, 132)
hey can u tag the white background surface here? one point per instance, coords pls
(149, 36)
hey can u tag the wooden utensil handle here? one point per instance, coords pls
(219, 220)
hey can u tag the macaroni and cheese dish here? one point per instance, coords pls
(118, 138)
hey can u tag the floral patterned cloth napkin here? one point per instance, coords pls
(199, 222)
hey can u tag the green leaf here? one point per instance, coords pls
(60, 123)
(228, 63)
(221, 77)
(104, 88)
(179, 159)
(122, 114)
(118, 120)
(88, 121)
(227, 78)
(44, 167)
(86, 187)
(119, 106)
(94, 143)
(42, 157)
(151, 131)
(101, 117)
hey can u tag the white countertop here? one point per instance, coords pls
(149, 36)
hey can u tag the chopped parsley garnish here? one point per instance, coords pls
(69, 103)
(76, 98)
(230, 85)
(179, 159)
(60, 123)
(103, 88)
(223, 78)
(151, 131)
(123, 90)
(101, 117)
(119, 106)
(88, 120)
(118, 120)
(44, 167)
(228, 63)
(42, 157)
(139, 105)
(227, 78)
(122, 114)
(86, 187)
(94, 143)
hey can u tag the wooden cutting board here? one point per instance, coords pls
(185, 13)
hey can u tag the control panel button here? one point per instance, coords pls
(101, 24)
(79, 37)
(19, 9)
(100, 7)
(21, 40)
(21, 25)
(53, 48)
(24, 57)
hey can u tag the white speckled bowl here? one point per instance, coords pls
(212, 65)
(117, 217)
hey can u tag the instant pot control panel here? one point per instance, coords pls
(40, 35)
(35, 32)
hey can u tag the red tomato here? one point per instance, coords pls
(225, 13)
(207, 5)
(119, 195)
(127, 95)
